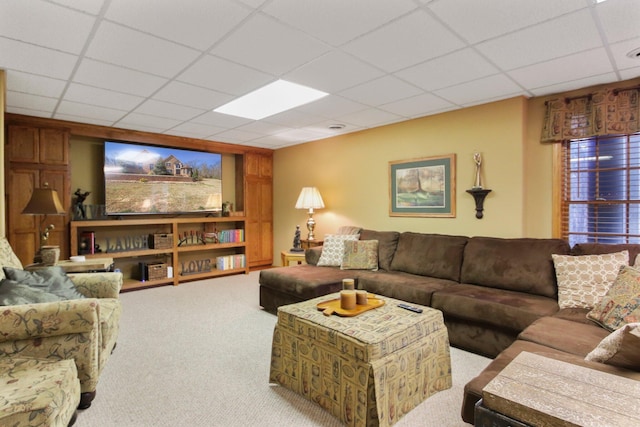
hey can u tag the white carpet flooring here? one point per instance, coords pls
(198, 355)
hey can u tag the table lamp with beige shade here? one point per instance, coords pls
(311, 199)
(45, 201)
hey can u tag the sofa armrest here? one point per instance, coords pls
(51, 319)
(98, 285)
(312, 255)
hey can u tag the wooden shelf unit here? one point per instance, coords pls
(121, 240)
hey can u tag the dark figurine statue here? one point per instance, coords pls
(297, 244)
(79, 210)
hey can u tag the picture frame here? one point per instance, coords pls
(424, 187)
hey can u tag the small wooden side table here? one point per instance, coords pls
(308, 244)
(288, 256)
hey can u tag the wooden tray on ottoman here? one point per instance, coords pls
(333, 306)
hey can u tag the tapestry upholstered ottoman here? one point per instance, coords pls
(367, 370)
(38, 392)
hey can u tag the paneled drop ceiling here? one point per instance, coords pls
(163, 65)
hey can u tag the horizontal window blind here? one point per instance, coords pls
(600, 189)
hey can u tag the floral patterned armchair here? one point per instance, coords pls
(84, 330)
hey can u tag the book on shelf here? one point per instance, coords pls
(230, 262)
(87, 243)
(231, 236)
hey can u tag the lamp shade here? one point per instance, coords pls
(44, 201)
(309, 198)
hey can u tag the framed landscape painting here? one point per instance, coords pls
(423, 187)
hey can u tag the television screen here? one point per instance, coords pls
(147, 179)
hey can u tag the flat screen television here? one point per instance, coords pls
(149, 179)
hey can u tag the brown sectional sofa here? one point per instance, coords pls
(498, 296)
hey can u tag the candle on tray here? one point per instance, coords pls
(348, 299)
(361, 297)
(348, 284)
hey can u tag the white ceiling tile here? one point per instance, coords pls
(620, 50)
(31, 102)
(405, 42)
(45, 24)
(265, 44)
(292, 119)
(224, 76)
(253, 3)
(300, 135)
(168, 110)
(629, 73)
(90, 111)
(490, 87)
(132, 49)
(220, 120)
(617, 26)
(575, 84)
(28, 112)
(574, 67)
(331, 106)
(198, 23)
(35, 85)
(189, 95)
(333, 72)
(90, 6)
(36, 60)
(481, 20)
(264, 128)
(337, 21)
(116, 78)
(381, 91)
(324, 128)
(237, 135)
(371, 117)
(142, 128)
(452, 69)
(101, 97)
(202, 131)
(420, 105)
(137, 119)
(541, 42)
(72, 118)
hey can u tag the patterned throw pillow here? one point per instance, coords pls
(333, 249)
(360, 255)
(621, 348)
(621, 305)
(584, 280)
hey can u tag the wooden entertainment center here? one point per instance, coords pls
(38, 150)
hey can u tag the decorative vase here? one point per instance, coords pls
(50, 255)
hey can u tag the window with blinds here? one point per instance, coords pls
(600, 189)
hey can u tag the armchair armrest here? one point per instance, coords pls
(98, 285)
(51, 319)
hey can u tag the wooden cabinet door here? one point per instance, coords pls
(259, 210)
(54, 147)
(23, 144)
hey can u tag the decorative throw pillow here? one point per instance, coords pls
(14, 293)
(360, 255)
(333, 249)
(49, 279)
(7, 256)
(621, 305)
(621, 348)
(584, 280)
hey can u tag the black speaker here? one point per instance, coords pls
(143, 271)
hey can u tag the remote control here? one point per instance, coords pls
(410, 308)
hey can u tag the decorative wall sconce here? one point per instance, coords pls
(478, 191)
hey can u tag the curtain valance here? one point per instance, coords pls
(605, 112)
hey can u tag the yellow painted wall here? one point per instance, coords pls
(352, 174)
(3, 105)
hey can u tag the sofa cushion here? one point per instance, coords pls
(14, 293)
(621, 304)
(432, 255)
(585, 279)
(605, 248)
(620, 348)
(49, 279)
(523, 265)
(8, 258)
(360, 255)
(496, 307)
(403, 286)
(564, 335)
(387, 243)
(305, 281)
(333, 249)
